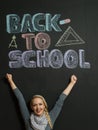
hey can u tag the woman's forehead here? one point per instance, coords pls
(37, 99)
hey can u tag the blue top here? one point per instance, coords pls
(26, 114)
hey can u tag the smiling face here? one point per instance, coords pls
(38, 105)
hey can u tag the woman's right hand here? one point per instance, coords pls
(9, 76)
(10, 80)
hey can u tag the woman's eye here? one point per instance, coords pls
(34, 105)
(40, 104)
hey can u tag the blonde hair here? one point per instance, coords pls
(46, 108)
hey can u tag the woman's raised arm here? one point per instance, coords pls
(71, 84)
(10, 80)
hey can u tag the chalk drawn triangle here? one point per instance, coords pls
(69, 37)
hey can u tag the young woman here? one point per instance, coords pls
(40, 118)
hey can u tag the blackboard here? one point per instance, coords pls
(42, 44)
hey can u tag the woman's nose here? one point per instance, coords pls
(38, 106)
